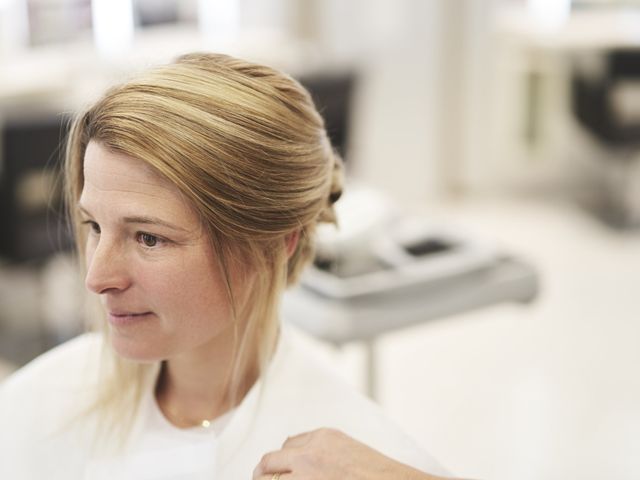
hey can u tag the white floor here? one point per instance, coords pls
(546, 391)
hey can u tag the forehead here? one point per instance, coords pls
(123, 182)
(104, 168)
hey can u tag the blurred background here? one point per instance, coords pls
(493, 147)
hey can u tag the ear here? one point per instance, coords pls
(291, 242)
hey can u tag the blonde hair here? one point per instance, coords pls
(246, 146)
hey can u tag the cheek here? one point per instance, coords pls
(193, 293)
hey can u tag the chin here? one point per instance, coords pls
(135, 350)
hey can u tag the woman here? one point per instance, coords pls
(195, 189)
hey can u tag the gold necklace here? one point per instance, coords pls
(177, 419)
(184, 422)
(174, 418)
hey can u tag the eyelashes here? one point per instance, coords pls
(147, 240)
(95, 228)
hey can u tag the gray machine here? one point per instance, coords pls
(382, 271)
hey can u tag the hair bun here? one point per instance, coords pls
(328, 213)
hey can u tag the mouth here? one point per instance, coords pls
(123, 318)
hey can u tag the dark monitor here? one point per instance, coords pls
(32, 216)
(332, 94)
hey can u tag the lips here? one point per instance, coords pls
(122, 318)
(123, 313)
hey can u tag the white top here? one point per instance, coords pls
(296, 394)
(190, 450)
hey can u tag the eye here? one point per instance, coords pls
(147, 239)
(95, 228)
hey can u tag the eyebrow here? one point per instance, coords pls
(143, 219)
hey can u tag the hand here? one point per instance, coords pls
(328, 454)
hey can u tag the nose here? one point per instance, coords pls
(107, 269)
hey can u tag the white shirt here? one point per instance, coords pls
(191, 450)
(296, 394)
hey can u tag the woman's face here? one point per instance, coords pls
(149, 260)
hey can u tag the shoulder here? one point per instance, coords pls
(300, 376)
(304, 394)
(39, 401)
(66, 365)
(52, 383)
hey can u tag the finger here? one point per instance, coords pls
(283, 476)
(298, 440)
(273, 462)
(321, 435)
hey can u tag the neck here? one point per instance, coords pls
(196, 387)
